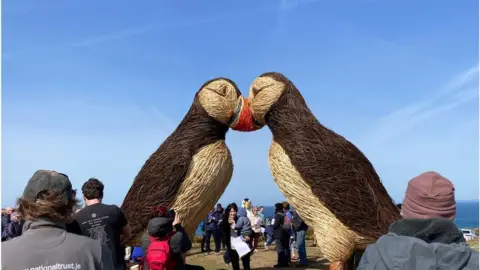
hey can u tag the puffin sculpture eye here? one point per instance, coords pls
(256, 90)
(222, 90)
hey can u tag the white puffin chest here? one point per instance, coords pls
(333, 237)
(207, 178)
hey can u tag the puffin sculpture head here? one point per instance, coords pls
(239, 118)
(264, 93)
(220, 98)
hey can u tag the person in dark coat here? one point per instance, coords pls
(6, 218)
(281, 236)
(426, 237)
(220, 212)
(300, 229)
(13, 229)
(212, 228)
(204, 236)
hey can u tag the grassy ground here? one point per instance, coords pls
(474, 244)
(263, 259)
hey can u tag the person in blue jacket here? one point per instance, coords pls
(212, 228)
(204, 236)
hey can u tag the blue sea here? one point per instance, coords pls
(467, 214)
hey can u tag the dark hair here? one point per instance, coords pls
(226, 226)
(49, 204)
(278, 207)
(262, 207)
(93, 189)
(399, 206)
(160, 211)
(226, 214)
(286, 205)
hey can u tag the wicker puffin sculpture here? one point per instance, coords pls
(328, 180)
(193, 161)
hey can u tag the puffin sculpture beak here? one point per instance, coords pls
(242, 118)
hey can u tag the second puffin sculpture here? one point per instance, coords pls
(328, 180)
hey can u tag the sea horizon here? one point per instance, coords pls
(467, 214)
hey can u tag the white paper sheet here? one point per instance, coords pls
(262, 230)
(240, 246)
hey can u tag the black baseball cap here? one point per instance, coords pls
(48, 180)
(159, 226)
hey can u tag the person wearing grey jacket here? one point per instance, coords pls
(426, 237)
(46, 205)
(243, 225)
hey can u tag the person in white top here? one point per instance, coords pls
(257, 222)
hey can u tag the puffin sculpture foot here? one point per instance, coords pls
(337, 265)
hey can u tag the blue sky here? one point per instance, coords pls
(92, 88)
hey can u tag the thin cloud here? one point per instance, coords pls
(458, 91)
(83, 116)
(112, 36)
(148, 28)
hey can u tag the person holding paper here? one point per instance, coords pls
(233, 241)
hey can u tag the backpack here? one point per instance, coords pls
(159, 256)
(287, 223)
(297, 222)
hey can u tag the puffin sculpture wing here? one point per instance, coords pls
(192, 167)
(330, 182)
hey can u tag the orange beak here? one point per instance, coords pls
(242, 119)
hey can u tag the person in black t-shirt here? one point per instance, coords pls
(103, 222)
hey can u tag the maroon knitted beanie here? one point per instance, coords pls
(429, 195)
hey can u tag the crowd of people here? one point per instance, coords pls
(49, 225)
(285, 227)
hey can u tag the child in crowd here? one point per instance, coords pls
(269, 233)
(168, 244)
(243, 225)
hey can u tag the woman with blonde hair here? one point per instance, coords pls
(257, 222)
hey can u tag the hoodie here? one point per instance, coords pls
(45, 244)
(243, 225)
(420, 244)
